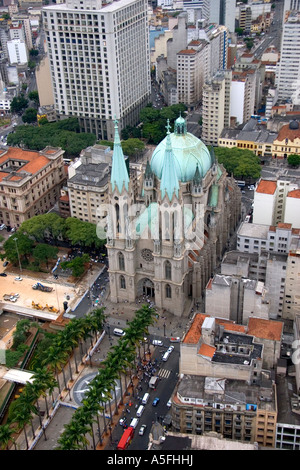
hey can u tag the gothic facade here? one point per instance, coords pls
(166, 241)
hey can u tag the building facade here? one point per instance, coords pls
(99, 61)
(188, 209)
(30, 183)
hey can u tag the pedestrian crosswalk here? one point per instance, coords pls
(164, 373)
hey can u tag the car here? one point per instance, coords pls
(2, 226)
(157, 342)
(3, 274)
(122, 421)
(142, 429)
(18, 278)
(170, 349)
(155, 401)
(175, 339)
(169, 403)
(5, 263)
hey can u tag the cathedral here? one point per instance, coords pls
(168, 228)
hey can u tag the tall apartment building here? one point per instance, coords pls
(30, 183)
(192, 69)
(291, 306)
(100, 61)
(223, 12)
(216, 106)
(242, 93)
(288, 71)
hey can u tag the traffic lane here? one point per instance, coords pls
(163, 390)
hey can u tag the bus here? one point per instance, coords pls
(126, 438)
(241, 184)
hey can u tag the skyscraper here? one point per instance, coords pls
(99, 61)
(288, 72)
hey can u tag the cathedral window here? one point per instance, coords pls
(121, 262)
(168, 270)
(168, 291)
(122, 282)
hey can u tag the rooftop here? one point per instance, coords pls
(266, 187)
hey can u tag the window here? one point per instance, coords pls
(121, 262)
(168, 270)
(122, 282)
(168, 291)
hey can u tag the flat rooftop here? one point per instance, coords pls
(247, 229)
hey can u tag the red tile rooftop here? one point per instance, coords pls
(295, 193)
(33, 161)
(194, 333)
(267, 329)
(207, 350)
(284, 226)
(266, 187)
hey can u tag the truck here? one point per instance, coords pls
(39, 286)
(153, 381)
(10, 297)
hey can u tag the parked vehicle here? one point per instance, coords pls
(2, 226)
(134, 423)
(166, 356)
(175, 339)
(3, 274)
(18, 278)
(140, 411)
(41, 287)
(5, 264)
(145, 398)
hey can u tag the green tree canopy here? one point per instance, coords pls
(19, 242)
(77, 265)
(43, 253)
(30, 115)
(294, 160)
(64, 134)
(18, 104)
(241, 163)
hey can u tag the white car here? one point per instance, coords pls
(170, 349)
(157, 342)
(142, 429)
(18, 278)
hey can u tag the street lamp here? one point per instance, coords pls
(15, 240)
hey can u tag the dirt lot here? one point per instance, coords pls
(56, 298)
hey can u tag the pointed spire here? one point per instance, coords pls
(197, 177)
(119, 172)
(212, 154)
(169, 183)
(148, 171)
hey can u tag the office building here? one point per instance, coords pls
(99, 62)
(288, 71)
(216, 107)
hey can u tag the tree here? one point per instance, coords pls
(294, 160)
(20, 243)
(132, 147)
(18, 104)
(30, 116)
(77, 265)
(43, 253)
(241, 163)
(34, 96)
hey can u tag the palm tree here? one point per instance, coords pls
(6, 433)
(22, 416)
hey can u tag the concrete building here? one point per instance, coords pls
(288, 72)
(276, 202)
(30, 183)
(242, 93)
(88, 179)
(223, 386)
(291, 306)
(100, 62)
(235, 298)
(216, 107)
(17, 52)
(255, 238)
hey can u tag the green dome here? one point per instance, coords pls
(188, 151)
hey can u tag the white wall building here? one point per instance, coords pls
(100, 62)
(288, 71)
(17, 52)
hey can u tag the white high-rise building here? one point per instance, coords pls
(99, 61)
(288, 71)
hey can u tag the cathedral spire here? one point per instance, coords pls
(119, 173)
(169, 179)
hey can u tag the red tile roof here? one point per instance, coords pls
(295, 193)
(266, 329)
(33, 161)
(266, 187)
